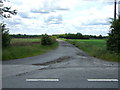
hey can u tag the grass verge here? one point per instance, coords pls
(96, 48)
(16, 51)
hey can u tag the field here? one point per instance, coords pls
(22, 47)
(96, 48)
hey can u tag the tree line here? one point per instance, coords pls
(24, 36)
(66, 36)
(79, 36)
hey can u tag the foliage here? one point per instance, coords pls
(47, 40)
(79, 36)
(5, 35)
(113, 42)
(24, 36)
(5, 11)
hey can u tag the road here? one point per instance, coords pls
(64, 67)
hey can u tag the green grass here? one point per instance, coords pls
(16, 51)
(96, 48)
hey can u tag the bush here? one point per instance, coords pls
(48, 40)
(113, 42)
(53, 39)
(5, 36)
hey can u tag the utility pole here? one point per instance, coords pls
(115, 9)
(119, 10)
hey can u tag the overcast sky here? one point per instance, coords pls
(89, 17)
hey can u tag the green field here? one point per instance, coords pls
(21, 48)
(96, 48)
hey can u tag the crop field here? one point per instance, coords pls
(25, 47)
(96, 48)
(25, 41)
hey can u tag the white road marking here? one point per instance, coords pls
(52, 80)
(105, 80)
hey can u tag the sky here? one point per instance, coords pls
(35, 17)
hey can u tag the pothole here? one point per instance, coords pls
(61, 59)
(20, 74)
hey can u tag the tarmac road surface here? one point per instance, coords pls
(64, 67)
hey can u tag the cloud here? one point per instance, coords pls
(13, 22)
(54, 19)
(49, 6)
(62, 9)
(92, 29)
(119, 2)
(42, 11)
(61, 16)
(47, 11)
(97, 22)
(24, 15)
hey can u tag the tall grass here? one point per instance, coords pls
(21, 48)
(24, 40)
(96, 48)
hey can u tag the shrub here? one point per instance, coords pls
(48, 40)
(5, 35)
(113, 42)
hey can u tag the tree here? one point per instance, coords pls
(113, 42)
(100, 37)
(5, 35)
(5, 11)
